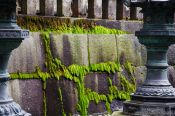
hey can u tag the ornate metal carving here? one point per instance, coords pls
(7, 33)
(155, 91)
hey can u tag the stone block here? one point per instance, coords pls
(102, 48)
(69, 97)
(83, 7)
(52, 101)
(171, 75)
(96, 109)
(70, 48)
(67, 8)
(28, 93)
(129, 49)
(140, 74)
(112, 9)
(91, 81)
(28, 55)
(171, 55)
(98, 8)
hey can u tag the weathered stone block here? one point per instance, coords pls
(102, 48)
(52, 99)
(67, 8)
(140, 74)
(96, 109)
(28, 93)
(129, 49)
(28, 55)
(171, 75)
(70, 48)
(171, 55)
(98, 8)
(91, 81)
(69, 97)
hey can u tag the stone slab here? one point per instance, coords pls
(28, 93)
(53, 106)
(171, 55)
(140, 75)
(28, 55)
(69, 95)
(129, 49)
(171, 75)
(70, 48)
(102, 48)
(96, 108)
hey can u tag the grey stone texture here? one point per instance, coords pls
(70, 48)
(171, 75)
(129, 49)
(47, 7)
(69, 95)
(28, 93)
(28, 55)
(171, 55)
(102, 48)
(30, 7)
(140, 74)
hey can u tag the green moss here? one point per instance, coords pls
(109, 67)
(44, 103)
(63, 25)
(61, 102)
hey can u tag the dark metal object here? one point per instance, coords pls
(11, 35)
(156, 96)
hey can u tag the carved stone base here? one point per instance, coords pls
(11, 109)
(138, 108)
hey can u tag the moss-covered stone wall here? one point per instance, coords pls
(75, 73)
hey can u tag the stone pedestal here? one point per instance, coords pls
(156, 97)
(138, 108)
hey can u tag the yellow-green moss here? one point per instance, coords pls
(63, 25)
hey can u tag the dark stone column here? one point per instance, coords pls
(47, 7)
(119, 10)
(105, 4)
(133, 13)
(60, 8)
(91, 9)
(75, 11)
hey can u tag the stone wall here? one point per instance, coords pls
(73, 49)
